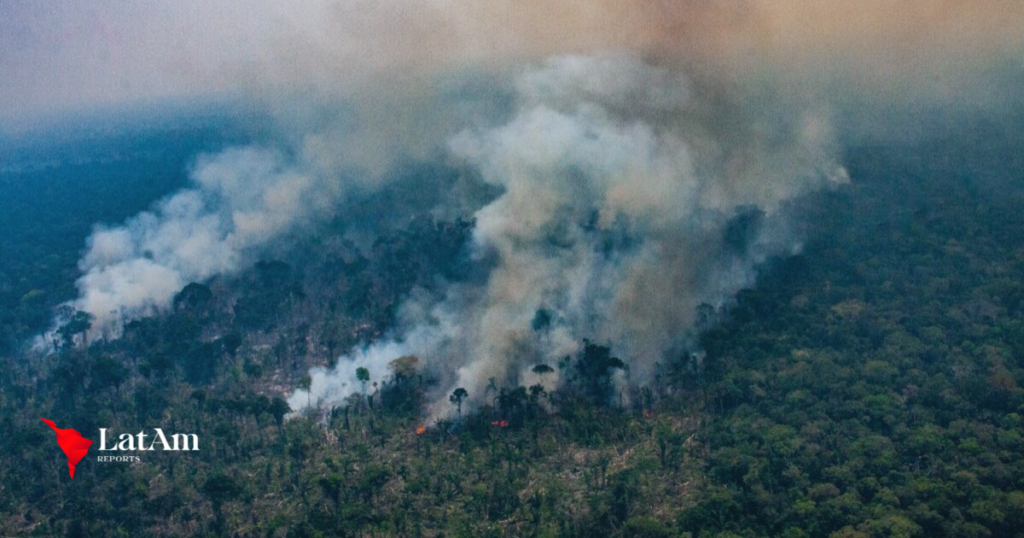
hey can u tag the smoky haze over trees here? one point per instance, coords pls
(617, 189)
(606, 221)
(869, 384)
(675, 269)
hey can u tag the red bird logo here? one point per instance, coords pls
(72, 443)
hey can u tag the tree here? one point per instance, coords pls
(542, 369)
(306, 383)
(108, 372)
(595, 367)
(194, 296)
(458, 395)
(79, 324)
(644, 527)
(231, 341)
(279, 409)
(220, 488)
(363, 375)
(403, 367)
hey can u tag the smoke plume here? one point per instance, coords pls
(240, 200)
(630, 196)
(644, 163)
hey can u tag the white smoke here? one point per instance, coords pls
(243, 200)
(620, 180)
(240, 200)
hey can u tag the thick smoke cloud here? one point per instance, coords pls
(620, 186)
(241, 200)
(641, 151)
(63, 54)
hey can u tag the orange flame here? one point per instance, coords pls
(500, 423)
(421, 430)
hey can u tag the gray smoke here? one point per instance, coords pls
(621, 184)
(244, 200)
(631, 193)
(240, 200)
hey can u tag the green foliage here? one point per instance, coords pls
(593, 372)
(869, 386)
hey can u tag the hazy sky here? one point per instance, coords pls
(57, 55)
(61, 54)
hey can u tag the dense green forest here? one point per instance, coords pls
(869, 386)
